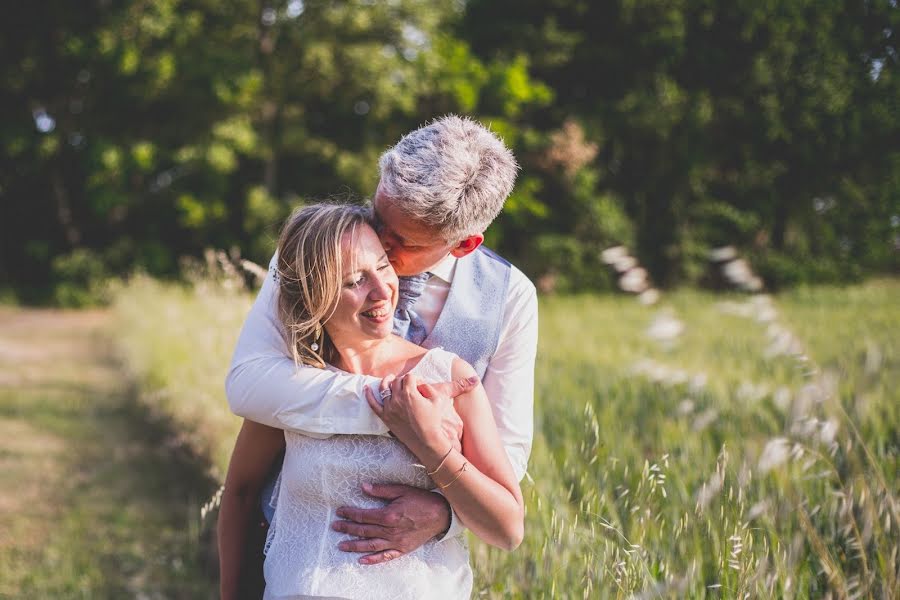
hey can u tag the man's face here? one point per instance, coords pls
(411, 247)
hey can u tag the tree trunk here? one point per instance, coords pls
(64, 208)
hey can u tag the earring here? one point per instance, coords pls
(315, 345)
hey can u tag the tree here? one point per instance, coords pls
(723, 121)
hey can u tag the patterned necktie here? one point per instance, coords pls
(406, 322)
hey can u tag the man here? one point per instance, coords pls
(440, 188)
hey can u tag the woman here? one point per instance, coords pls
(337, 294)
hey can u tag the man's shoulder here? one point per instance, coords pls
(490, 254)
(519, 284)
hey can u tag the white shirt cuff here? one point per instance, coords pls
(456, 524)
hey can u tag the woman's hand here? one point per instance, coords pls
(478, 482)
(415, 419)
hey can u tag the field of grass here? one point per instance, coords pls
(708, 446)
(98, 499)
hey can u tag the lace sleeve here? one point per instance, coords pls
(436, 366)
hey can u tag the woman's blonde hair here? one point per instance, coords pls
(310, 276)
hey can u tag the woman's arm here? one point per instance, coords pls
(479, 482)
(255, 450)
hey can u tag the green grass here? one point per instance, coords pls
(753, 455)
(177, 341)
(98, 498)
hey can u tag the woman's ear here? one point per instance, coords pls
(468, 245)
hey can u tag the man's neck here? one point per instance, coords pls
(444, 268)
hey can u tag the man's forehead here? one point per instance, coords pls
(391, 214)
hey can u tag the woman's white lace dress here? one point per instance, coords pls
(320, 475)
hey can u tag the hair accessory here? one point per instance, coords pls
(458, 475)
(443, 460)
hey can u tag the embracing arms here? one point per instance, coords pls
(479, 482)
(264, 385)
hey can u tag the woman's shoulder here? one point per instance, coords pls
(443, 365)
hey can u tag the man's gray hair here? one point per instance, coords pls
(452, 175)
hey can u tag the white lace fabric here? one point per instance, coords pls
(319, 476)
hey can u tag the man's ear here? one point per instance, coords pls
(468, 245)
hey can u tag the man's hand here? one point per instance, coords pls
(413, 517)
(450, 389)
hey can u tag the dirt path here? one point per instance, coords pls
(96, 499)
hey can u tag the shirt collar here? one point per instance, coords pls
(445, 269)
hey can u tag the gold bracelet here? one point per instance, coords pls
(443, 460)
(458, 475)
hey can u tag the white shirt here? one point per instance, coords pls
(264, 384)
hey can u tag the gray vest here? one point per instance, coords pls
(469, 323)
(468, 326)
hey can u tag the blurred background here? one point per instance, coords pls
(137, 132)
(729, 427)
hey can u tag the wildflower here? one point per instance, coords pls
(805, 427)
(634, 280)
(625, 263)
(808, 396)
(709, 490)
(649, 296)
(737, 271)
(254, 269)
(704, 419)
(698, 382)
(874, 358)
(782, 398)
(758, 510)
(685, 407)
(766, 314)
(828, 432)
(775, 454)
(611, 255)
(665, 328)
(722, 254)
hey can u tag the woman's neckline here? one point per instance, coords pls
(411, 363)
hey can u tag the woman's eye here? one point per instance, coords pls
(354, 282)
(384, 266)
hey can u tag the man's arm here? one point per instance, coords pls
(264, 385)
(509, 380)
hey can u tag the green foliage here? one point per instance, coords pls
(179, 353)
(82, 279)
(675, 127)
(721, 122)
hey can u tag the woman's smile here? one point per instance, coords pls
(365, 308)
(378, 314)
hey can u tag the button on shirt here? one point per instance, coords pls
(265, 386)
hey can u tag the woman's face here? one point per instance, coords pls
(365, 309)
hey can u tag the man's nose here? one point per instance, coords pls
(386, 240)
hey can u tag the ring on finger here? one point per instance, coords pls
(385, 394)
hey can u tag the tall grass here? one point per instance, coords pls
(709, 446)
(177, 341)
